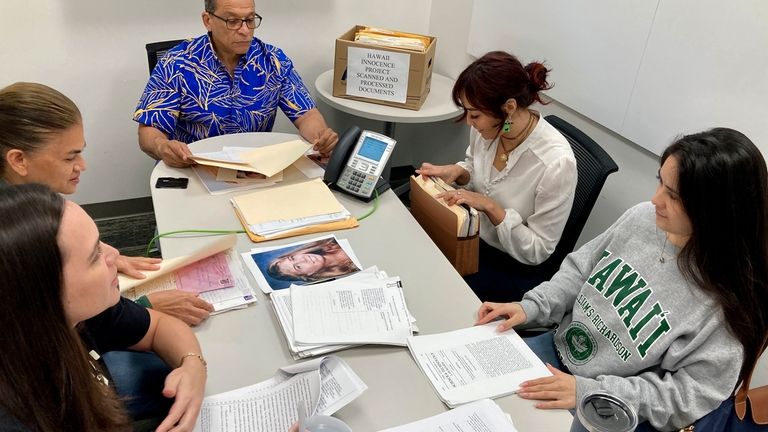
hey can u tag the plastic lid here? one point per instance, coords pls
(604, 412)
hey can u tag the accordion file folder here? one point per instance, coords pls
(442, 224)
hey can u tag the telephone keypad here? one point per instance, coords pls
(359, 181)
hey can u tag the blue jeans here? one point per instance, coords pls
(722, 419)
(500, 278)
(543, 346)
(139, 378)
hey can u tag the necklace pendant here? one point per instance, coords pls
(503, 157)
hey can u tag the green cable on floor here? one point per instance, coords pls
(222, 232)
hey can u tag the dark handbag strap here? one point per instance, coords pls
(740, 400)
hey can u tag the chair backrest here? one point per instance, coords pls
(593, 165)
(156, 51)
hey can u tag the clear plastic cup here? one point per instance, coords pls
(322, 423)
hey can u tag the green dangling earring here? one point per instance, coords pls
(507, 126)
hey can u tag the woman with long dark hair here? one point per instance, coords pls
(666, 309)
(519, 173)
(42, 141)
(60, 307)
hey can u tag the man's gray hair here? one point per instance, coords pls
(210, 5)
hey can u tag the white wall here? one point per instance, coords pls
(93, 51)
(635, 181)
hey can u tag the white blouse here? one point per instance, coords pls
(536, 189)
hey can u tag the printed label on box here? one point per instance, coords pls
(377, 74)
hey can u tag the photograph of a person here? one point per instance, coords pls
(305, 263)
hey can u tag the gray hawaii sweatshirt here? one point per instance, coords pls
(633, 326)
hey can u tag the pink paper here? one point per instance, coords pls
(208, 274)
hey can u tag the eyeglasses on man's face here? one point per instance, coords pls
(236, 23)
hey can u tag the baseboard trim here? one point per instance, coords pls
(121, 208)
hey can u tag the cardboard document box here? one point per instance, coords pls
(440, 223)
(382, 75)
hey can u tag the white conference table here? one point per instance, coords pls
(247, 346)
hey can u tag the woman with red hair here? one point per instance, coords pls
(519, 173)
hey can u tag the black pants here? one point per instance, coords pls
(501, 278)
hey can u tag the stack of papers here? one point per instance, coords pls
(294, 209)
(213, 180)
(365, 308)
(267, 160)
(312, 165)
(484, 415)
(475, 363)
(214, 273)
(468, 224)
(392, 39)
(240, 168)
(324, 385)
(324, 302)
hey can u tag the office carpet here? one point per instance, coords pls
(129, 234)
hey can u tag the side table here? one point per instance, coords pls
(438, 106)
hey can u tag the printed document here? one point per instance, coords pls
(351, 312)
(208, 274)
(238, 295)
(475, 363)
(281, 303)
(481, 416)
(208, 176)
(171, 265)
(325, 385)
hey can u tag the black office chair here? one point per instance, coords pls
(156, 51)
(594, 165)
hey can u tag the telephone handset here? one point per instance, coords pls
(357, 162)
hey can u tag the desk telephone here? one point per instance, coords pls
(357, 162)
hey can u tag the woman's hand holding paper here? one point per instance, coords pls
(132, 266)
(185, 306)
(477, 201)
(489, 311)
(448, 173)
